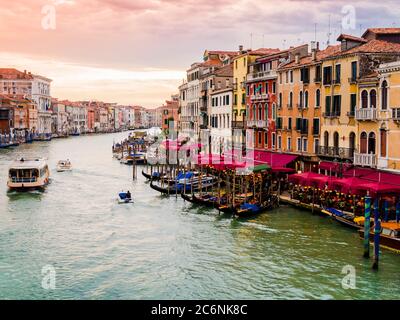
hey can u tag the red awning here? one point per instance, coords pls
(273, 159)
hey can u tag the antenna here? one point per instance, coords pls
(329, 32)
(315, 32)
(251, 40)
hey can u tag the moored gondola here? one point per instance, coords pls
(252, 209)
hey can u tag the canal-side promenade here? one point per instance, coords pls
(165, 248)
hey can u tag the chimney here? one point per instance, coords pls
(240, 48)
(297, 58)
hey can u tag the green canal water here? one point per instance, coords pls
(165, 248)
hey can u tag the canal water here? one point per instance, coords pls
(164, 248)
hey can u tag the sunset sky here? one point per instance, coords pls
(137, 51)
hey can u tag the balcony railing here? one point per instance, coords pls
(352, 80)
(366, 114)
(365, 160)
(317, 79)
(336, 152)
(263, 96)
(262, 75)
(257, 123)
(396, 114)
(238, 124)
(23, 180)
(331, 114)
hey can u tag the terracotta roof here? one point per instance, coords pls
(225, 71)
(228, 53)
(11, 73)
(373, 46)
(322, 54)
(382, 31)
(259, 52)
(351, 38)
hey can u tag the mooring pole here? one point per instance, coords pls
(367, 225)
(377, 233)
(398, 212)
(386, 211)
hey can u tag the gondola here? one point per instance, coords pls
(248, 210)
(180, 188)
(346, 219)
(389, 237)
(155, 176)
(209, 201)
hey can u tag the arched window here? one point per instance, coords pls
(372, 98)
(260, 115)
(352, 143)
(274, 112)
(266, 111)
(301, 99)
(383, 134)
(318, 98)
(371, 143)
(326, 140)
(280, 99)
(363, 142)
(336, 142)
(306, 99)
(291, 99)
(364, 99)
(384, 95)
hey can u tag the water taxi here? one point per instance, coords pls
(64, 165)
(28, 173)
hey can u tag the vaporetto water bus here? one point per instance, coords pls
(28, 174)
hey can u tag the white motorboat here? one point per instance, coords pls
(64, 165)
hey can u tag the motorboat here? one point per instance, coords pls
(28, 174)
(64, 165)
(123, 197)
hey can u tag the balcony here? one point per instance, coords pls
(257, 97)
(336, 152)
(336, 81)
(331, 115)
(353, 80)
(238, 124)
(261, 124)
(289, 106)
(367, 114)
(262, 75)
(317, 79)
(396, 114)
(365, 160)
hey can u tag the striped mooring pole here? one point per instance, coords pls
(386, 211)
(398, 212)
(377, 234)
(367, 225)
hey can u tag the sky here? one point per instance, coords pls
(136, 51)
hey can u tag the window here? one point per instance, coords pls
(315, 126)
(318, 74)
(318, 98)
(280, 100)
(243, 98)
(235, 99)
(291, 100)
(327, 75)
(384, 95)
(364, 99)
(299, 122)
(372, 98)
(279, 123)
(290, 123)
(353, 103)
(266, 111)
(227, 100)
(291, 76)
(316, 146)
(328, 101)
(279, 142)
(259, 138)
(383, 139)
(363, 142)
(305, 145)
(354, 71)
(298, 144)
(273, 140)
(289, 143)
(306, 99)
(274, 87)
(337, 102)
(337, 73)
(266, 139)
(274, 111)
(301, 99)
